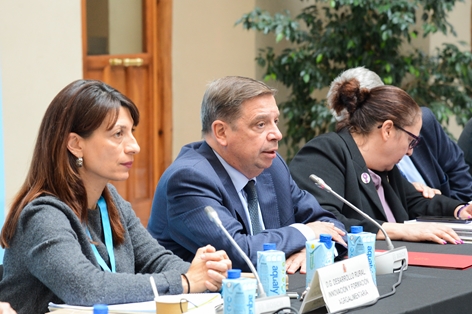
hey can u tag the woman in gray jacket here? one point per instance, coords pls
(69, 236)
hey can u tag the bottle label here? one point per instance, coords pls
(363, 243)
(271, 270)
(239, 296)
(317, 256)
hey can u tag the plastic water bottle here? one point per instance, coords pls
(271, 269)
(360, 242)
(239, 294)
(319, 253)
(100, 309)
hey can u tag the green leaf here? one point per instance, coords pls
(270, 77)
(306, 78)
(280, 36)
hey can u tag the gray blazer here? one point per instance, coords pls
(50, 260)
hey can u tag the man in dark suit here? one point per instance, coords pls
(465, 143)
(440, 161)
(239, 125)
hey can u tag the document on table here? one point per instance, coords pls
(198, 303)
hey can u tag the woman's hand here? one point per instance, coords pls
(463, 212)
(5, 308)
(427, 191)
(207, 271)
(418, 232)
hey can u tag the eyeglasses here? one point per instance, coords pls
(414, 142)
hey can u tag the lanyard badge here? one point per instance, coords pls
(108, 238)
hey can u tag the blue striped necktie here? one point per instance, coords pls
(252, 206)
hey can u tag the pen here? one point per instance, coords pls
(153, 286)
(304, 294)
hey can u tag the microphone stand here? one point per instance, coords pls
(385, 263)
(263, 304)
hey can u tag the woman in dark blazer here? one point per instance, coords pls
(377, 129)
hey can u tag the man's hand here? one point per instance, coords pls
(427, 191)
(296, 261)
(327, 228)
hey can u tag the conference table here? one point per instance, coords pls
(422, 289)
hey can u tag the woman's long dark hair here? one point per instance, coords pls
(80, 107)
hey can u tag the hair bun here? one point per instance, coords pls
(347, 94)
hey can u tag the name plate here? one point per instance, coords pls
(341, 286)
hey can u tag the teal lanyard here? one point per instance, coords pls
(108, 238)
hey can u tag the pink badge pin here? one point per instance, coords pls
(365, 177)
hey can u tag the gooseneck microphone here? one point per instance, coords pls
(320, 183)
(388, 262)
(214, 217)
(264, 304)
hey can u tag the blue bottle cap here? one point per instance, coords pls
(234, 273)
(326, 239)
(357, 229)
(100, 309)
(268, 246)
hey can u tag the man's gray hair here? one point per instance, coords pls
(224, 97)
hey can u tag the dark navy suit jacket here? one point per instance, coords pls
(440, 161)
(197, 179)
(465, 143)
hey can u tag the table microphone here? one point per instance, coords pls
(264, 304)
(386, 262)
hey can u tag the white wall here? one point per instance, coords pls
(206, 46)
(40, 53)
(460, 18)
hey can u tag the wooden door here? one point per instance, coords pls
(141, 72)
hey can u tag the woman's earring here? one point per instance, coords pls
(79, 162)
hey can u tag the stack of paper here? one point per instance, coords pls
(198, 303)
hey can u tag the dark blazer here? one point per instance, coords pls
(336, 159)
(440, 161)
(197, 179)
(465, 143)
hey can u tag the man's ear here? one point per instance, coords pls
(219, 129)
(74, 144)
